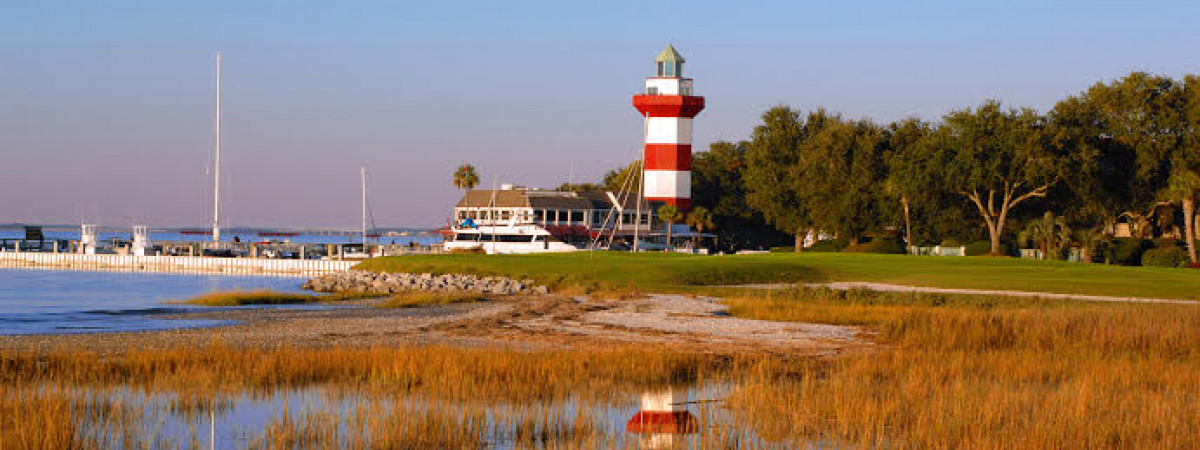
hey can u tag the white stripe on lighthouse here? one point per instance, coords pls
(669, 130)
(668, 184)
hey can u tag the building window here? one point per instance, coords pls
(652, 90)
(577, 216)
(539, 215)
(660, 69)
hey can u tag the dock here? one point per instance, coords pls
(183, 264)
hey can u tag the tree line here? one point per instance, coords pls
(1123, 152)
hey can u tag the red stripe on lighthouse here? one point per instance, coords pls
(669, 105)
(680, 203)
(669, 157)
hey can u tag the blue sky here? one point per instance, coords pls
(105, 110)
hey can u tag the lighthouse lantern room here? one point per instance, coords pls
(668, 107)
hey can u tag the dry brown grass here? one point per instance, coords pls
(413, 299)
(1006, 374)
(268, 297)
(947, 372)
(446, 372)
(456, 387)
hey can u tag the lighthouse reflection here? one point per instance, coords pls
(663, 420)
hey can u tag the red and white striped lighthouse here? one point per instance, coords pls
(668, 106)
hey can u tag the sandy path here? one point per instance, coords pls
(885, 287)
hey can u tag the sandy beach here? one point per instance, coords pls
(523, 322)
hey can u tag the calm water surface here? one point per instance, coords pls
(34, 301)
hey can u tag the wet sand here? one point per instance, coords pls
(696, 323)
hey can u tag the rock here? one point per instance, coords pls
(357, 281)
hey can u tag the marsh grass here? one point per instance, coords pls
(985, 373)
(414, 299)
(454, 389)
(268, 297)
(441, 371)
(945, 372)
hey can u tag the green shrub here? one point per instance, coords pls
(828, 245)
(951, 242)
(1165, 257)
(882, 245)
(1126, 251)
(1166, 243)
(979, 248)
(983, 248)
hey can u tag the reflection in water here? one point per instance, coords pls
(663, 419)
(339, 417)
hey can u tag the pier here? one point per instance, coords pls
(186, 264)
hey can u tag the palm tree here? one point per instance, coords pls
(1184, 186)
(700, 219)
(669, 214)
(1050, 233)
(466, 177)
(1090, 241)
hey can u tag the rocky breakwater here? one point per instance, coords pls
(391, 283)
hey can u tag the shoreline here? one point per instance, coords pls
(526, 322)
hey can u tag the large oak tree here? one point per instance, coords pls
(777, 169)
(995, 157)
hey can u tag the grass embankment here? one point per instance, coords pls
(604, 271)
(267, 297)
(982, 372)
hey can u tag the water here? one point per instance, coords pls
(60, 301)
(241, 420)
(127, 235)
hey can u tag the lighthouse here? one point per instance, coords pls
(668, 106)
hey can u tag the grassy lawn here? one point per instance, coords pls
(591, 271)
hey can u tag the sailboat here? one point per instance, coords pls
(368, 234)
(216, 220)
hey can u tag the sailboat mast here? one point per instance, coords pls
(364, 207)
(216, 230)
(637, 221)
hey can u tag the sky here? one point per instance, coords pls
(106, 108)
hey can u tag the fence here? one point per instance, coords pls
(938, 251)
(173, 263)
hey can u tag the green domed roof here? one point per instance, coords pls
(669, 55)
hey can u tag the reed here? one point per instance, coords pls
(414, 299)
(996, 373)
(447, 372)
(943, 372)
(268, 297)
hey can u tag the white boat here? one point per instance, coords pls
(505, 239)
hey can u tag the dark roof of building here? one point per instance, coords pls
(539, 199)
